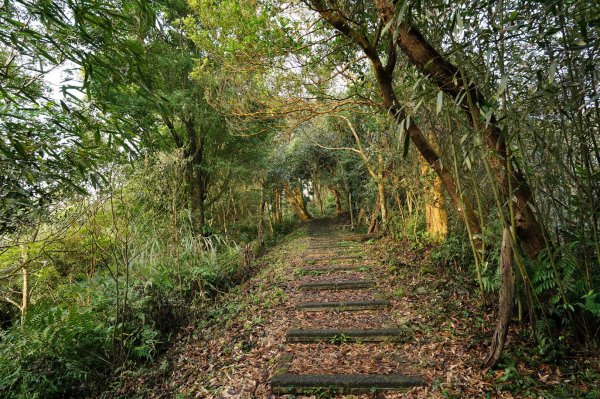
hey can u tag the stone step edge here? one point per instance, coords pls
(309, 259)
(298, 335)
(326, 257)
(332, 252)
(332, 245)
(342, 306)
(332, 269)
(342, 383)
(338, 285)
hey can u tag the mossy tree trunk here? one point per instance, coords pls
(436, 218)
(338, 199)
(296, 201)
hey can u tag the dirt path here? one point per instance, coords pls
(342, 337)
(318, 321)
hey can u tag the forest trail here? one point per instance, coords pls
(167, 168)
(339, 306)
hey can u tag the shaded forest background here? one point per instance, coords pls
(150, 150)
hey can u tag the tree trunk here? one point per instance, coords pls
(199, 195)
(300, 197)
(461, 203)
(373, 224)
(449, 79)
(279, 210)
(197, 179)
(261, 212)
(382, 200)
(318, 196)
(507, 288)
(271, 219)
(338, 200)
(436, 218)
(25, 274)
(297, 205)
(351, 209)
(359, 217)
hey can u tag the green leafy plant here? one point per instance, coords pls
(339, 339)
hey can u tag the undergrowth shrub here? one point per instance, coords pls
(573, 297)
(66, 347)
(410, 228)
(281, 230)
(455, 251)
(60, 351)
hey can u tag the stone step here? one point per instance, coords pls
(338, 285)
(341, 383)
(327, 250)
(333, 269)
(342, 257)
(331, 241)
(346, 335)
(330, 245)
(342, 306)
(331, 254)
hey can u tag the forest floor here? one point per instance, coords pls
(233, 351)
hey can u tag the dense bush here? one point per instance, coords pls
(60, 351)
(455, 251)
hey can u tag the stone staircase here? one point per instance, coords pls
(336, 273)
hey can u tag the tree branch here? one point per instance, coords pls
(7, 299)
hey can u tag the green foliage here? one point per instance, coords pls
(554, 271)
(68, 348)
(51, 147)
(411, 228)
(98, 315)
(339, 339)
(559, 277)
(171, 148)
(591, 303)
(60, 351)
(490, 277)
(454, 251)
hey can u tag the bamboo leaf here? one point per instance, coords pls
(387, 27)
(440, 102)
(402, 12)
(406, 145)
(459, 23)
(419, 103)
(503, 84)
(401, 131)
(552, 72)
(64, 106)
